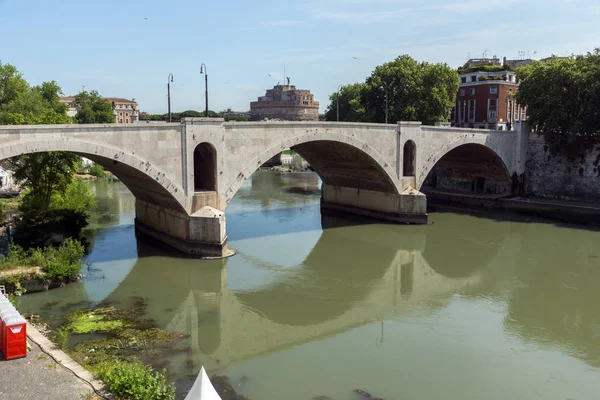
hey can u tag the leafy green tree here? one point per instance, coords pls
(93, 109)
(44, 174)
(77, 197)
(21, 104)
(176, 117)
(562, 96)
(416, 91)
(351, 107)
(12, 84)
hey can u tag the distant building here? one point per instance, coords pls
(285, 102)
(125, 111)
(230, 113)
(6, 178)
(486, 95)
(72, 106)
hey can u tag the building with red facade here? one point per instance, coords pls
(486, 95)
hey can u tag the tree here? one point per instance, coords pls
(21, 104)
(176, 117)
(416, 91)
(351, 107)
(93, 109)
(44, 174)
(562, 96)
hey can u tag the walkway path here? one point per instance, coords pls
(38, 376)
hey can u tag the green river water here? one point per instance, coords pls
(474, 306)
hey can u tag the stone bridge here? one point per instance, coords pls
(184, 175)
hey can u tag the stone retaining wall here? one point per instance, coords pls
(555, 176)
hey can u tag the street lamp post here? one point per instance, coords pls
(385, 87)
(205, 72)
(338, 102)
(169, 80)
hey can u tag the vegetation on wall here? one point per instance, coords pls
(562, 96)
(416, 91)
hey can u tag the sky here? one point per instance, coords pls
(129, 48)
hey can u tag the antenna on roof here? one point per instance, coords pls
(484, 54)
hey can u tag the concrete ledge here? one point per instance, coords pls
(192, 248)
(62, 358)
(348, 211)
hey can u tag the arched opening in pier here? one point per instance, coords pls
(410, 158)
(205, 168)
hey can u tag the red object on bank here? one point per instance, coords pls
(15, 338)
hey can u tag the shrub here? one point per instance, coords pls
(96, 170)
(135, 381)
(77, 197)
(64, 263)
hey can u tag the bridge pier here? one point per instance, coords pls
(202, 234)
(410, 206)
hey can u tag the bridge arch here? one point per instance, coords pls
(144, 180)
(338, 159)
(475, 167)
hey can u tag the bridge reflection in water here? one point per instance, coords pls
(352, 276)
(466, 292)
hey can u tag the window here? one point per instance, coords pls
(473, 78)
(120, 105)
(121, 114)
(492, 110)
(463, 79)
(471, 110)
(472, 91)
(462, 92)
(523, 116)
(461, 110)
(509, 112)
(493, 89)
(127, 114)
(127, 120)
(120, 120)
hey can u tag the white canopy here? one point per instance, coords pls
(202, 389)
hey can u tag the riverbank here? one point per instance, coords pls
(559, 210)
(46, 373)
(37, 270)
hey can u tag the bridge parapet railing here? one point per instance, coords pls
(442, 129)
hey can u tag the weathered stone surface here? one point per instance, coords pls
(365, 162)
(556, 176)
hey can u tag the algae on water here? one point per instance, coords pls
(93, 321)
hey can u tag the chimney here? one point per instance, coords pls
(504, 60)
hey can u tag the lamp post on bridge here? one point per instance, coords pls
(385, 87)
(204, 71)
(338, 102)
(169, 80)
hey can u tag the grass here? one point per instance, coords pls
(135, 381)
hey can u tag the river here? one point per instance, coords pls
(476, 305)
